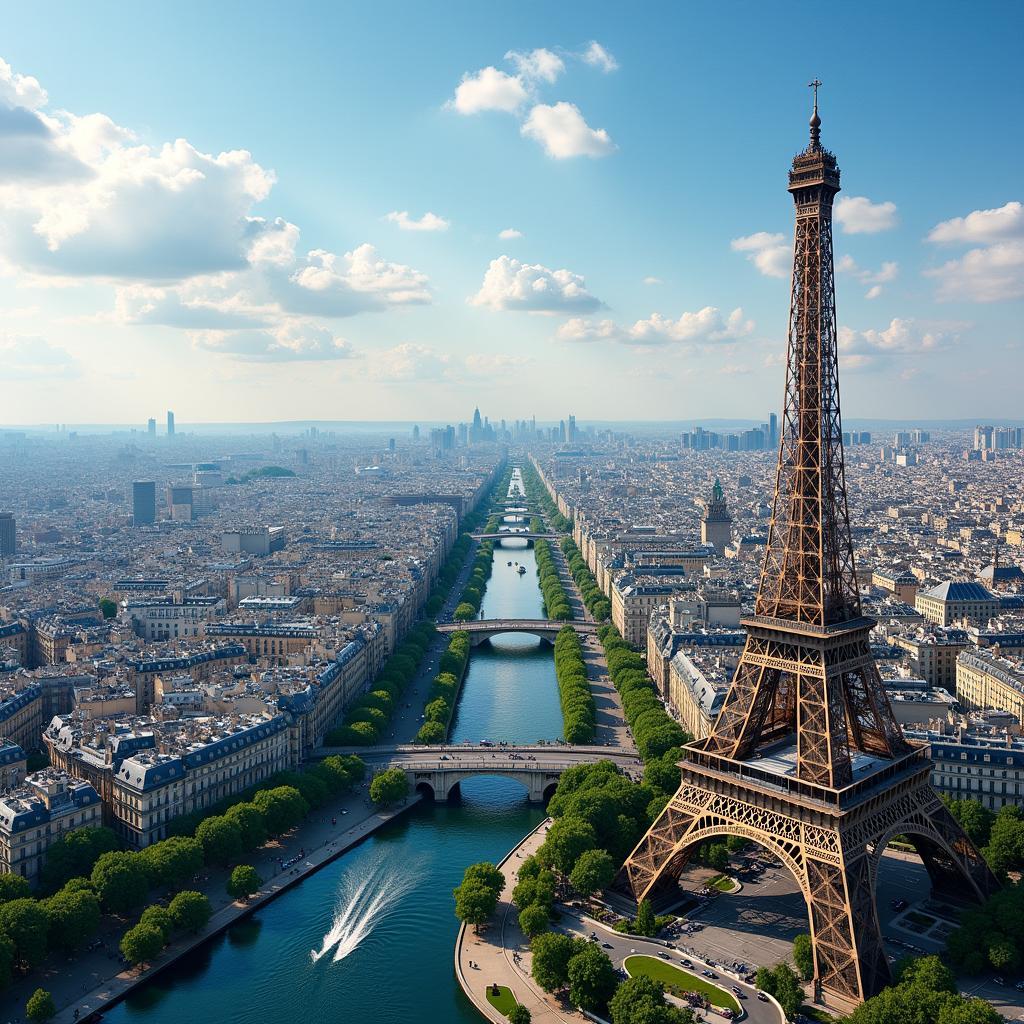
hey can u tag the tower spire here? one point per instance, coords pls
(815, 120)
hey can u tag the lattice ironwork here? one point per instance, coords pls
(807, 676)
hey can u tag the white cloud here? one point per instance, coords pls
(509, 234)
(858, 215)
(734, 370)
(486, 364)
(27, 357)
(598, 57)
(289, 342)
(408, 363)
(768, 252)
(20, 90)
(563, 132)
(511, 285)
(861, 350)
(982, 226)
(489, 89)
(428, 222)
(542, 65)
(706, 326)
(991, 273)
(653, 280)
(873, 278)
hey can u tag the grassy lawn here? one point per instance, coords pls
(677, 981)
(504, 1001)
(723, 883)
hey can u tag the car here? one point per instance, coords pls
(999, 980)
(762, 997)
(664, 956)
(685, 962)
(607, 945)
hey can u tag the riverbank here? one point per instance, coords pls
(322, 843)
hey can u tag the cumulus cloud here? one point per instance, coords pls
(769, 252)
(705, 327)
(28, 357)
(994, 271)
(489, 89)
(563, 132)
(509, 234)
(288, 342)
(862, 350)
(408, 363)
(598, 57)
(653, 280)
(858, 215)
(982, 226)
(873, 278)
(428, 222)
(538, 65)
(511, 285)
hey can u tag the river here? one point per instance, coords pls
(371, 936)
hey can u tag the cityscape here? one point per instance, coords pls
(375, 651)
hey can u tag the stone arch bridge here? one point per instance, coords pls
(435, 772)
(480, 630)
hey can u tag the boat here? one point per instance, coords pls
(509, 563)
(522, 570)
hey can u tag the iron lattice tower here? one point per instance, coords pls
(806, 757)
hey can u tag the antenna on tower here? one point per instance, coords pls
(815, 120)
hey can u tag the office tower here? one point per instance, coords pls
(391, 444)
(151, 427)
(416, 433)
(806, 757)
(773, 430)
(572, 429)
(8, 535)
(143, 502)
(716, 523)
(170, 423)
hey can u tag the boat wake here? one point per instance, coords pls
(361, 906)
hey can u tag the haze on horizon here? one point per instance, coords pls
(331, 214)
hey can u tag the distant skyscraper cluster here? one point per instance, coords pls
(994, 438)
(480, 430)
(757, 439)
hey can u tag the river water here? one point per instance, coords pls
(371, 936)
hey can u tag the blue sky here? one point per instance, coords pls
(251, 271)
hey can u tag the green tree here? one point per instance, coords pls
(250, 822)
(464, 612)
(74, 918)
(26, 923)
(594, 871)
(172, 861)
(551, 954)
(108, 608)
(484, 871)
(190, 910)
(803, 956)
(534, 919)
(519, 1014)
(592, 978)
(140, 944)
(533, 889)
(6, 961)
(641, 1000)
(121, 881)
(282, 808)
(567, 838)
(13, 887)
(781, 982)
(646, 923)
(221, 839)
(244, 881)
(76, 854)
(475, 902)
(40, 1006)
(159, 917)
(431, 732)
(717, 857)
(389, 786)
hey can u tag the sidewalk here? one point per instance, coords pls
(502, 953)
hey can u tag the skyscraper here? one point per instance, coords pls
(773, 430)
(143, 502)
(8, 535)
(151, 427)
(806, 756)
(170, 423)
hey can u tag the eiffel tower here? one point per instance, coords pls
(805, 757)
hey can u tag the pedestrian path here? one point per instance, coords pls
(500, 953)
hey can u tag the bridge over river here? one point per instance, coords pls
(436, 771)
(547, 629)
